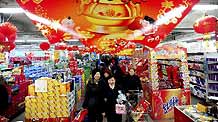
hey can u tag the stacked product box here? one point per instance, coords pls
(57, 102)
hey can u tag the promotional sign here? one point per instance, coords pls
(104, 24)
(163, 102)
(41, 86)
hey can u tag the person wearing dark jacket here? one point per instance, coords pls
(110, 97)
(132, 81)
(94, 100)
(104, 81)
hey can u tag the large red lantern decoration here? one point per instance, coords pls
(9, 31)
(106, 21)
(205, 24)
(44, 46)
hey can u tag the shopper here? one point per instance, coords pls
(94, 99)
(132, 81)
(117, 71)
(106, 75)
(3, 96)
(111, 100)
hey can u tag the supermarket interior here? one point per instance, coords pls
(108, 60)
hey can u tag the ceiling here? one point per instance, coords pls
(28, 31)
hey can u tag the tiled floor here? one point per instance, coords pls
(194, 100)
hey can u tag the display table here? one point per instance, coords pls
(188, 113)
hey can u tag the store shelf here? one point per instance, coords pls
(213, 98)
(197, 84)
(191, 61)
(212, 81)
(212, 62)
(201, 70)
(212, 91)
(212, 72)
(203, 77)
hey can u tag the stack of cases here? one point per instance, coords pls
(57, 102)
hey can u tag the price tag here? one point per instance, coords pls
(41, 86)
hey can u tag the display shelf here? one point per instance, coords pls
(212, 62)
(200, 70)
(211, 67)
(203, 77)
(191, 61)
(213, 98)
(212, 72)
(212, 91)
(197, 84)
(212, 81)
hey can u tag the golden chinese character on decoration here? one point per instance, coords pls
(24, 1)
(37, 1)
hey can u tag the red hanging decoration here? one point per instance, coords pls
(2, 38)
(44, 46)
(12, 46)
(205, 24)
(8, 29)
(75, 47)
(70, 48)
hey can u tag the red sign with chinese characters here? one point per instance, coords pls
(105, 21)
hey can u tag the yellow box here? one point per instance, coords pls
(45, 115)
(52, 115)
(39, 115)
(52, 109)
(27, 115)
(59, 114)
(201, 108)
(33, 115)
(63, 88)
(31, 90)
(50, 94)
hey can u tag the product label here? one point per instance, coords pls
(170, 104)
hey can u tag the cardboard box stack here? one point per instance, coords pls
(57, 102)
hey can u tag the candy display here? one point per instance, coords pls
(57, 102)
(169, 80)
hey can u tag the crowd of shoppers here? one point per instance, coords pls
(103, 89)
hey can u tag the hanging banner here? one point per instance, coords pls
(106, 21)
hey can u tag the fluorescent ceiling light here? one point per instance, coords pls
(205, 7)
(11, 10)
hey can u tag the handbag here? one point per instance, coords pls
(120, 109)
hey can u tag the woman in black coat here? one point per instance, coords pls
(94, 99)
(132, 81)
(111, 94)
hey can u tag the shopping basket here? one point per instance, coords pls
(137, 107)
